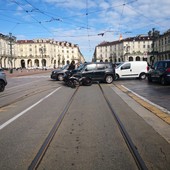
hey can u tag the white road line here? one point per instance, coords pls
(26, 110)
(159, 107)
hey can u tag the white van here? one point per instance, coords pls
(132, 69)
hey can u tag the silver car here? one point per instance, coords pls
(3, 81)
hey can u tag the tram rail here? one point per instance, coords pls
(37, 159)
(131, 146)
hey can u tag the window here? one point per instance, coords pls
(156, 65)
(100, 66)
(108, 66)
(161, 65)
(168, 39)
(90, 67)
(126, 66)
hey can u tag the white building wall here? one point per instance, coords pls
(27, 53)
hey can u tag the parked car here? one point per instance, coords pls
(160, 72)
(99, 71)
(58, 74)
(132, 69)
(3, 81)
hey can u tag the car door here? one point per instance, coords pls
(125, 70)
(99, 73)
(89, 70)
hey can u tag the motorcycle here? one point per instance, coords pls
(73, 81)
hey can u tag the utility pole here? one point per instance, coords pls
(11, 40)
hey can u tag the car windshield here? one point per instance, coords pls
(80, 67)
(118, 64)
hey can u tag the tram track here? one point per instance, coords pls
(25, 94)
(37, 159)
(131, 146)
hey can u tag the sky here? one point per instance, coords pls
(86, 23)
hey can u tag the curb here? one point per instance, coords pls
(25, 73)
(152, 108)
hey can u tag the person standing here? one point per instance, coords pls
(72, 66)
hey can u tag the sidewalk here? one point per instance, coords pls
(24, 72)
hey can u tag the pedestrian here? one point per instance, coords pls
(71, 66)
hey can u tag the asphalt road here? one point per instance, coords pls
(154, 92)
(88, 137)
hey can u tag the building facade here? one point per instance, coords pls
(38, 53)
(129, 49)
(139, 48)
(162, 47)
(7, 50)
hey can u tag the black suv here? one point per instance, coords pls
(98, 71)
(160, 72)
(58, 74)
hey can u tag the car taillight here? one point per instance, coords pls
(168, 70)
(147, 68)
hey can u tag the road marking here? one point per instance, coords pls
(26, 110)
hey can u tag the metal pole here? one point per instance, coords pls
(10, 47)
(42, 57)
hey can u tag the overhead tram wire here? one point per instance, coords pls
(62, 19)
(52, 18)
(14, 1)
(119, 27)
(87, 23)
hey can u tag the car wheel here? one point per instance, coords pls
(60, 77)
(87, 81)
(163, 81)
(142, 76)
(149, 79)
(109, 79)
(2, 86)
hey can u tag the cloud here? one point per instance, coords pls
(81, 21)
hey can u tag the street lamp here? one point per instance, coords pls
(154, 34)
(126, 52)
(11, 40)
(42, 51)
